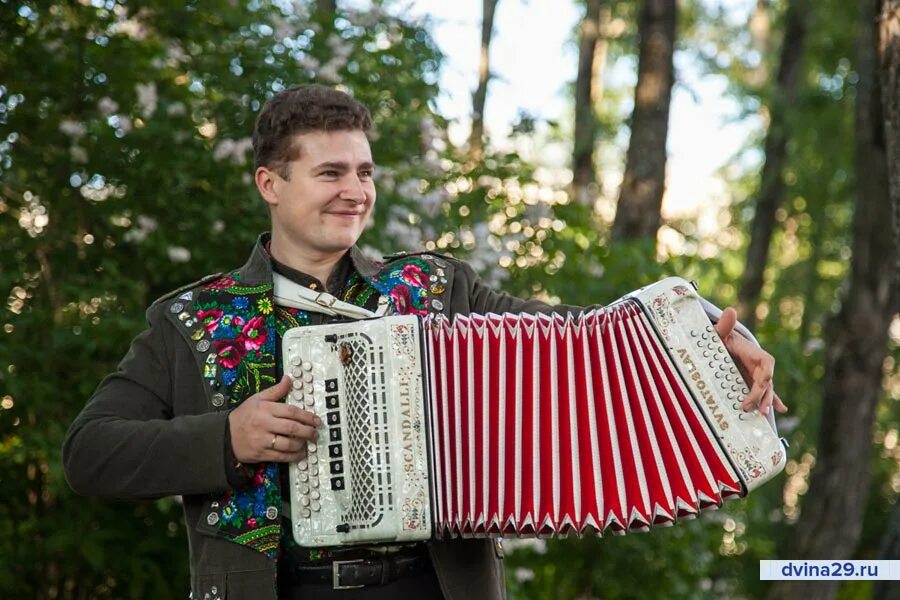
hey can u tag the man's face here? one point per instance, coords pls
(323, 207)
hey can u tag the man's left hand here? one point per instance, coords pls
(755, 364)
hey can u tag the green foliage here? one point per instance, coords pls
(124, 173)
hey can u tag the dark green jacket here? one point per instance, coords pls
(156, 427)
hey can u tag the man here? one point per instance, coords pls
(195, 410)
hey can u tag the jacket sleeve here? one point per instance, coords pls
(470, 294)
(127, 442)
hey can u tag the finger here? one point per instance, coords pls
(286, 443)
(755, 395)
(779, 405)
(276, 392)
(295, 413)
(766, 401)
(293, 429)
(726, 323)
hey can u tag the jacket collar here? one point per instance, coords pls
(258, 268)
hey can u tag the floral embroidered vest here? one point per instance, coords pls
(234, 328)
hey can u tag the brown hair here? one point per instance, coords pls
(302, 109)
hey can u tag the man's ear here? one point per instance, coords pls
(266, 182)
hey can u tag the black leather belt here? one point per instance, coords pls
(357, 573)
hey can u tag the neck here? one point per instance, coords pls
(318, 265)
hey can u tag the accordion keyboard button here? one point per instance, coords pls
(305, 513)
(334, 434)
(315, 506)
(296, 372)
(331, 401)
(304, 489)
(337, 483)
(302, 465)
(334, 418)
(313, 460)
(295, 360)
(331, 385)
(335, 451)
(296, 384)
(304, 477)
(315, 495)
(307, 377)
(310, 400)
(304, 501)
(311, 446)
(336, 467)
(307, 366)
(314, 471)
(308, 389)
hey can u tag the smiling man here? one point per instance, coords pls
(195, 407)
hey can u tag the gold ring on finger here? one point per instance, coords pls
(274, 441)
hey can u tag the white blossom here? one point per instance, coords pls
(147, 98)
(431, 202)
(329, 73)
(145, 226)
(175, 55)
(522, 574)
(234, 151)
(176, 109)
(107, 106)
(283, 28)
(131, 28)
(308, 62)
(409, 188)
(401, 231)
(178, 254)
(125, 124)
(78, 154)
(73, 129)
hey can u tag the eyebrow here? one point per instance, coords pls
(342, 166)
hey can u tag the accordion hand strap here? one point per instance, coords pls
(289, 293)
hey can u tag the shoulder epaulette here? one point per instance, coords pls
(199, 282)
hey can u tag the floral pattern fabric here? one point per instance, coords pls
(244, 326)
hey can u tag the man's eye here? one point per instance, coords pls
(366, 174)
(330, 173)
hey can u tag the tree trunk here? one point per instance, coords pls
(591, 55)
(857, 343)
(771, 186)
(889, 58)
(476, 137)
(640, 199)
(890, 550)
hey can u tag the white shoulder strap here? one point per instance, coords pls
(289, 293)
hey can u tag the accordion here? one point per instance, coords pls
(618, 419)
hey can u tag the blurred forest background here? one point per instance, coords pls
(125, 171)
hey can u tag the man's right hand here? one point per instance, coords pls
(264, 429)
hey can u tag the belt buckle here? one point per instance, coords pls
(325, 299)
(336, 574)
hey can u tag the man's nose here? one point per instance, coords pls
(353, 189)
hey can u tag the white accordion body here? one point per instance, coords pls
(619, 419)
